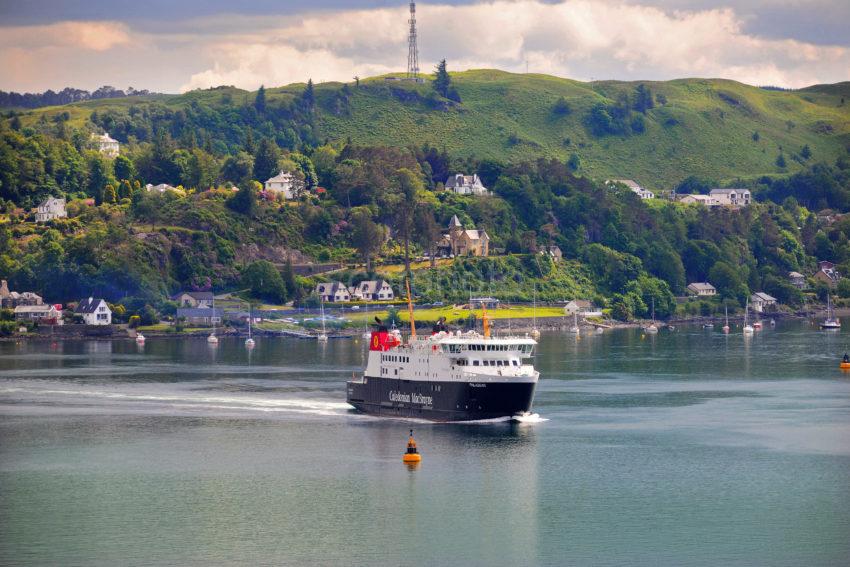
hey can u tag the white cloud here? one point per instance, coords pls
(577, 38)
(581, 39)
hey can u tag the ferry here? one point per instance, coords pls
(445, 376)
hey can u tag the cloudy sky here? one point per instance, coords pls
(178, 45)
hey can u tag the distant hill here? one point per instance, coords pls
(712, 128)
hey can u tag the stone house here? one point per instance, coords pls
(201, 299)
(463, 242)
(798, 280)
(827, 273)
(201, 316)
(12, 299)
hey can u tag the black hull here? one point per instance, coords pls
(440, 401)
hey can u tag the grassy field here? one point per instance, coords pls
(452, 314)
(705, 128)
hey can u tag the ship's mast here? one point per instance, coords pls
(412, 49)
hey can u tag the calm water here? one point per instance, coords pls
(688, 448)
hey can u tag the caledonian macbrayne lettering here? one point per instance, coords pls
(413, 398)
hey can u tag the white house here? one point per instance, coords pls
(706, 200)
(373, 290)
(731, 197)
(161, 188)
(285, 183)
(761, 301)
(702, 289)
(51, 208)
(94, 311)
(634, 186)
(106, 145)
(583, 307)
(466, 184)
(333, 292)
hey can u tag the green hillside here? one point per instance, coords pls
(701, 127)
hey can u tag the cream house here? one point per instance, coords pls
(50, 209)
(731, 197)
(284, 183)
(106, 145)
(464, 242)
(466, 184)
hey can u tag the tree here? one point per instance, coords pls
(124, 168)
(574, 163)
(109, 195)
(245, 200)
(442, 81)
(427, 231)
(561, 107)
(780, 161)
(367, 237)
(238, 169)
(308, 97)
(728, 282)
(643, 99)
(99, 178)
(266, 160)
(408, 185)
(806, 152)
(264, 282)
(260, 100)
(293, 290)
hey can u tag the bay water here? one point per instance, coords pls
(686, 448)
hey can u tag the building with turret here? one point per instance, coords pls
(463, 242)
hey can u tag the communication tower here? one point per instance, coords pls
(412, 49)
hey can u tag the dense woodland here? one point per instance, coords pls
(369, 204)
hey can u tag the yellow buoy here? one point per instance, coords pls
(412, 454)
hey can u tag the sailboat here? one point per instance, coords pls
(831, 321)
(748, 329)
(726, 326)
(249, 342)
(212, 339)
(535, 332)
(575, 328)
(652, 328)
(323, 337)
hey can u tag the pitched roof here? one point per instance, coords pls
(459, 180)
(370, 286)
(199, 295)
(282, 177)
(581, 303)
(763, 296)
(33, 308)
(455, 222)
(630, 183)
(721, 191)
(88, 305)
(701, 286)
(795, 275)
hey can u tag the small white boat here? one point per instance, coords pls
(708, 325)
(652, 328)
(748, 329)
(212, 339)
(726, 327)
(140, 338)
(534, 334)
(575, 329)
(831, 322)
(757, 325)
(323, 336)
(249, 342)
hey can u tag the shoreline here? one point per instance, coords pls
(519, 325)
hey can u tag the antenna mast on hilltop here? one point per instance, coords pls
(412, 49)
